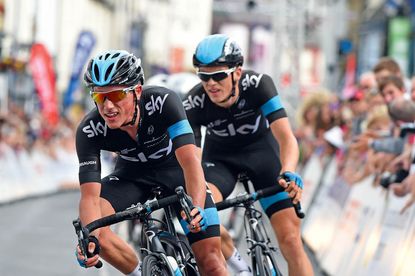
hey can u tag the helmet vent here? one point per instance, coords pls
(116, 55)
(109, 71)
(106, 56)
(96, 71)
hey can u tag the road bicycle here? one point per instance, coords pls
(164, 253)
(262, 252)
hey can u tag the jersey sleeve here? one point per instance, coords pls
(178, 126)
(269, 100)
(193, 104)
(88, 156)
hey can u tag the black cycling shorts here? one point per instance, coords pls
(259, 160)
(122, 192)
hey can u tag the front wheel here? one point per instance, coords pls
(155, 266)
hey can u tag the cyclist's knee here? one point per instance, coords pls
(291, 241)
(225, 236)
(217, 195)
(212, 263)
(105, 238)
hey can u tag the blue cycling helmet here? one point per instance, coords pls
(114, 67)
(217, 50)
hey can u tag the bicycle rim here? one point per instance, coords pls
(154, 266)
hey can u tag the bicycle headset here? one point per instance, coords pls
(115, 67)
(218, 50)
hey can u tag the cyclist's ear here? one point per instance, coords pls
(138, 90)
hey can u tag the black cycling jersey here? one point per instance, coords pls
(162, 128)
(238, 139)
(242, 123)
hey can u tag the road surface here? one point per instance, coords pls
(38, 239)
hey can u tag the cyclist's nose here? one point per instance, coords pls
(107, 102)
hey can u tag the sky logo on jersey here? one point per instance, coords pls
(251, 80)
(93, 130)
(141, 157)
(245, 129)
(194, 101)
(156, 104)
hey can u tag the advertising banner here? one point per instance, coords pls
(399, 41)
(84, 46)
(41, 65)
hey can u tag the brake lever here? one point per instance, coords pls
(83, 240)
(83, 235)
(186, 203)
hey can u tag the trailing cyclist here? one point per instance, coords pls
(148, 128)
(247, 130)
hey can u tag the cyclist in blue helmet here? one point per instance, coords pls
(247, 131)
(148, 129)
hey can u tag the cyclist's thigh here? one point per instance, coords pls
(122, 193)
(220, 175)
(264, 166)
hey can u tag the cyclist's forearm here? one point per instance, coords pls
(89, 210)
(288, 145)
(289, 159)
(189, 160)
(89, 204)
(196, 186)
(288, 154)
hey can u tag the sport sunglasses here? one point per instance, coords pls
(216, 76)
(114, 96)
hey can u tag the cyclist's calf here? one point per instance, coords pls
(209, 257)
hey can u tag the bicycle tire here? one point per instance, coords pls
(258, 262)
(172, 248)
(155, 266)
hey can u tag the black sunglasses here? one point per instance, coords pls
(216, 76)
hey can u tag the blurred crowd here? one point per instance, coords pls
(33, 151)
(370, 132)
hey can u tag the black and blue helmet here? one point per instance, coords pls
(217, 50)
(114, 67)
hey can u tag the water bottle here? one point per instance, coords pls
(174, 266)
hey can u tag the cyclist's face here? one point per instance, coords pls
(219, 90)
(119, 110)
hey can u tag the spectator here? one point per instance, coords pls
(413, 89)
(359, 107)
(387, 66)
(403, 110)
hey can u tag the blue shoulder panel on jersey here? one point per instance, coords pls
(210, 49)
(268, 201)
(179, 128)
(271, 105)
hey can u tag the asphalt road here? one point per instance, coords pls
(37, 238)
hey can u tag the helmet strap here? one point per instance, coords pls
(233, 92)
(132, 122)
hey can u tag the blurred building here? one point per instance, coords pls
(162, 32)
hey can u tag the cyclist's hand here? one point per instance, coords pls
(92, 261)
(292, 184)
(199, 221)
